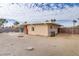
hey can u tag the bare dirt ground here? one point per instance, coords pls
(61, 45)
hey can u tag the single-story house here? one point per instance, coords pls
(43, 29)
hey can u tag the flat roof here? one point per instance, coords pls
(46, 23)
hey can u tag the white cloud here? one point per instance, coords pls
(22, 13)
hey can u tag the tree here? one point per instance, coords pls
(53, 20)
(74, 22)
(25, 22)
(47, 21)
(16, 23)
(2, 21)
(78, 18)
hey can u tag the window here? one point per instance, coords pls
(51, 27)
(32, 28)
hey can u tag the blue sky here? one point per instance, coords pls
(64, 13)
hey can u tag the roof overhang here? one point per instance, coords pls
(46, 23)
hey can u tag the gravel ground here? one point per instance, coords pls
(16, 44)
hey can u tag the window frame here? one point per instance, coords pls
(32, 28)
(51, 27)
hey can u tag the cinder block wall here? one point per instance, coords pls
(69, 30)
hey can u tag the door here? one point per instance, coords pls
(52, 34)
(25, 30)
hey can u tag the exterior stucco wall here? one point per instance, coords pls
(38, 30)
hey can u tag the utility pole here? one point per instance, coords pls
(74, 23)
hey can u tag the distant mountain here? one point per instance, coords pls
(10, 22)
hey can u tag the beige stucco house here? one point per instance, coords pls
(42, 29)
